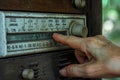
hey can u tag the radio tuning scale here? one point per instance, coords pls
(27, 33)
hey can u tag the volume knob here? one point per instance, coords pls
(78, 29)
(28, 74)
(79, 3)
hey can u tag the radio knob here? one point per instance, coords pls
(79, 3)
(78, 29)
(28, 74)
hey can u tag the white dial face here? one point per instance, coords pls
(28, 74)
(29, 33)
(80, 3)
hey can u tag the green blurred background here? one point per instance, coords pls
(111, 22)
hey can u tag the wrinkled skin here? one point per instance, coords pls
(97, 57)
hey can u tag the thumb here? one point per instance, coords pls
(87, 70)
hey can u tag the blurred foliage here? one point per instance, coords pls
(111, 11)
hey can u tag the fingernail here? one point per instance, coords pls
(55, 33)
(63, 72)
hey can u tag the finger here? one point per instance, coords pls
(88, 70)
(74, 42)
(71, 41)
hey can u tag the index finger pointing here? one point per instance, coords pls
(71, 41)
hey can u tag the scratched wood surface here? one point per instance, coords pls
(65, 6)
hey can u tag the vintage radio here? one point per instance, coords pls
(27, 50)
(24, 33)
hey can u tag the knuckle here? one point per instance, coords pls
(100, 36)
(69, 39)
(90, 40)
(70, 70)
(89, 72)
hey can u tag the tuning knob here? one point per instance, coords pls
(28, 74)
(79, 3)
(78, 29)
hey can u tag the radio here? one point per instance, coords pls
(24, 33)
(27, 49)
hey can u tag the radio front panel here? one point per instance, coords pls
(26, 32)
(44, 66)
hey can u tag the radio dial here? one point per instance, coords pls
(78, 29)
(28, 74)
(35, 31)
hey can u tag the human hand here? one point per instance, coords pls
(103, 58)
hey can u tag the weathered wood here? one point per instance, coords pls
(64, 6)
(94, 17)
